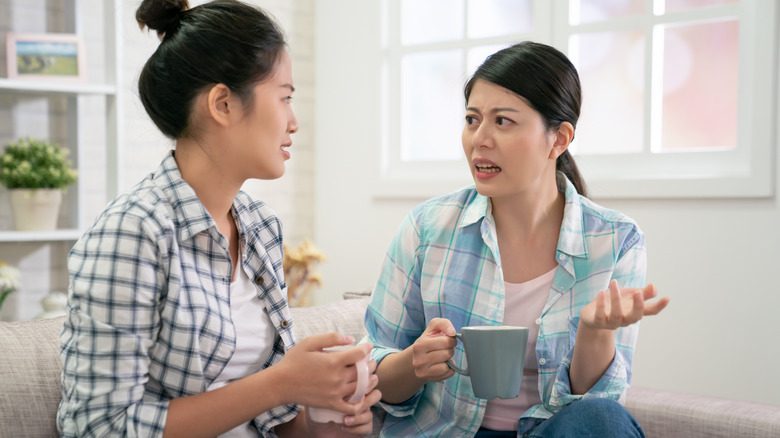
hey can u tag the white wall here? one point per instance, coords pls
(715, 258)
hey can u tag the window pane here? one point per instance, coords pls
(700, 86)
(477, 56)
(679, 5)
(611, 67)
(430, 21)
(589, 11)
(432, 107)
(488, 18)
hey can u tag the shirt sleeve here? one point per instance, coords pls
(395, 317)
(117, 278)
(629, 271)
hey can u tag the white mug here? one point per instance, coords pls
(324, 415)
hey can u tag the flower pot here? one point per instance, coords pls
(35, 209)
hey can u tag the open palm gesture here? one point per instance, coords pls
(617, 307)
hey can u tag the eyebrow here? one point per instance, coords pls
(494, 110)
(292, 89)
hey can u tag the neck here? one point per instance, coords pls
(529, 216)
(207, 176)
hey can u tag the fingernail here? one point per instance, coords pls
(349, 421)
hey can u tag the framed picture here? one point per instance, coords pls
(46, 57)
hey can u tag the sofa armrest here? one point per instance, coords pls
(667, 414)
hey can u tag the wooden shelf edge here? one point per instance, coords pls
(39, 236)
(68, 88)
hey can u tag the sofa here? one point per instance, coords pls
(30, 383)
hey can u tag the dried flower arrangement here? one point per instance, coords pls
(298, 273)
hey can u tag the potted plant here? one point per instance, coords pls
(36, 172)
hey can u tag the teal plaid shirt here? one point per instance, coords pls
(444, 263)
(149, 309)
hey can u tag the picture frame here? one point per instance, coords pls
(56, 57)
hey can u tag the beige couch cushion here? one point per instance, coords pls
(343, 316)
(670, 414)
(29, 377)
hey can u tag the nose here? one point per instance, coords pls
(292, 124)
(481, 137)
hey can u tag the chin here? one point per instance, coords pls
(484, 188)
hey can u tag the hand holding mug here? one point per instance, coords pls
(312, 377)
(363, 384)
(432, 350)
(362, 423)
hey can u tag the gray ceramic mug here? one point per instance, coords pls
(495, 356)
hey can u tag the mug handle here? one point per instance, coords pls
(451, 364)
(362, 381)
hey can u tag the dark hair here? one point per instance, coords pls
(221, 42)
(545, 79)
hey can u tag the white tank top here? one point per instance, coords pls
(523, 306)
(255, 334)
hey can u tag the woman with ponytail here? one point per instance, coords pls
(178, 323)
(525, 247)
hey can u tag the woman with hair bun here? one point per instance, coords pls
(178, 323)
(523, 246)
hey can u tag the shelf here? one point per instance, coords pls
(40, 236)
(63, 88)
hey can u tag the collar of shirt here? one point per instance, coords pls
(571, 241)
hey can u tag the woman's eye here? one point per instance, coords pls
(501, 121)
(288, 99)
(470, 120)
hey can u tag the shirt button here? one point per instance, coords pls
(285, 323)
(542, 361)
(259, 281)
(538, 321)
(561, 257)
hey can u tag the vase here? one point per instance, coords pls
(35, 209)
(54, 305)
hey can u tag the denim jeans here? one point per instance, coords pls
(586, 418)
(589, 418)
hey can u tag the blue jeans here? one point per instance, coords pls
(589, 418)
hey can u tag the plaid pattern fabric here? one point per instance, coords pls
(149, 311)
(444, 263)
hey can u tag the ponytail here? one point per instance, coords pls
(566, 165)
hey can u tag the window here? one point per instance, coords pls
(678, 94)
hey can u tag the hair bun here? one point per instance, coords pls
(161, 16)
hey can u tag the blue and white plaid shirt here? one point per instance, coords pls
(444, 263)
(149, 311)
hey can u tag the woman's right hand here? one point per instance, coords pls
(432, 350)
(313, 377)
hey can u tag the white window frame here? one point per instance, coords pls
(746, 171)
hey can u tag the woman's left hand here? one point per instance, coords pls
(354, 425)
(617, 307)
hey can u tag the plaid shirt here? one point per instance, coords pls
(444, 263)
(149, 310)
